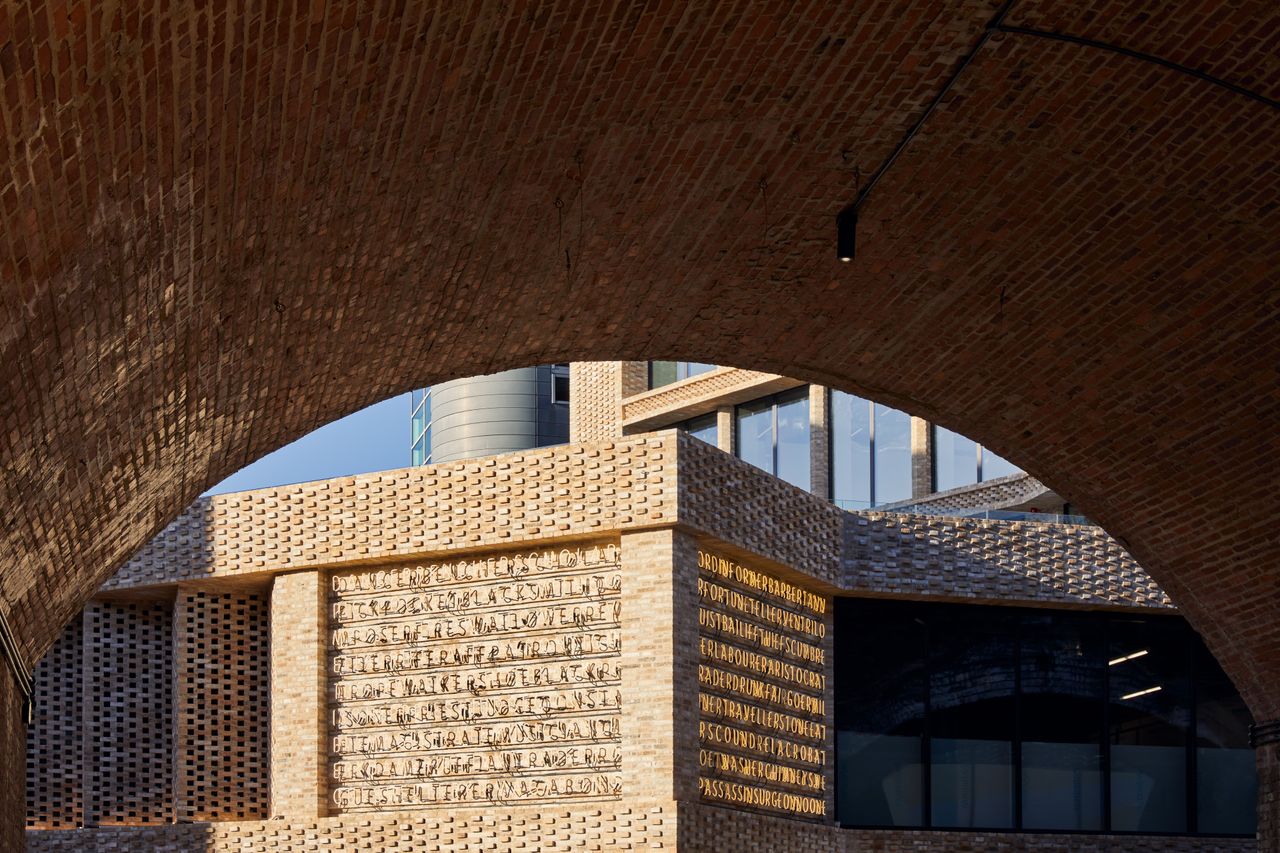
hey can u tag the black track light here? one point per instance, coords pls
(846, 233)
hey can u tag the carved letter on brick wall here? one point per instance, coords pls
(762, 730)
(488, 680)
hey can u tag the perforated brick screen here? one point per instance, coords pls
(221, 659)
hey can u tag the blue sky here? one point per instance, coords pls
(372, 439)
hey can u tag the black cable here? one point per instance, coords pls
(997, 25)
(1145, 57)
(933, 105)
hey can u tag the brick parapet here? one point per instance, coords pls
(1001, 492)
(612, 486)
(546, 494)
(985, 560)
(733, 501)
(698, 395)
(595, 398)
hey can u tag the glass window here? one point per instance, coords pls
(971, 721)
(893, 455)
(419, 452)
(704, 428)
(955, 460)
(1149, 715)
(793, 439)
(773, 435)
(755, 434)
(998, 717)
(994, 466)
(661, 373)
(1225, 779)
(960, 461)
(1062, 667)
(880, 714)
(870, 452)
(559, 388)
(666, 372)
(850, 451)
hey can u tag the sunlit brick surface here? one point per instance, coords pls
(225, 226)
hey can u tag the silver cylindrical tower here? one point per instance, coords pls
(499, 413)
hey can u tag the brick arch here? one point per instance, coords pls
(225, 228)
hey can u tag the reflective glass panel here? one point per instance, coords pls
(703, 428)
(755, 434)
(1149, 715)
(1062, 663)
(1226, 775)
(661, 373)
(971, 718)
(994, 466)
(955, 460)
(694, 368)
(880, 707)
(793, 438)
(893, 455)
(850, 451)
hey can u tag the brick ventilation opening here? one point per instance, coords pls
(55, 797)
(128, 653)
(221, 653)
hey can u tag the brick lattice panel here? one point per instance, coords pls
(994, 494)
(128, 713)
(595, 410)
(223, 697)
(699, 394)
(55, 738)
(606, 826)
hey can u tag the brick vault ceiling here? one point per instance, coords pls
(225, 225)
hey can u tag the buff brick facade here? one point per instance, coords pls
(608, 601)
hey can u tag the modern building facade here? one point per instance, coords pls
(640, 640)
(485, 415)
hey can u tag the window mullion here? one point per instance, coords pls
(871, 450)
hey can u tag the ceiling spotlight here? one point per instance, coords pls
(846, 233)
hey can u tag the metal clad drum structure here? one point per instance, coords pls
(499, 413)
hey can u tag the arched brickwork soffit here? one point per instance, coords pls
(223, 229)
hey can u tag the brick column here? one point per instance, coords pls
(659, 659)
(725, 433)
(1267, 744)
(921, 458)
(299, 713)
(13, 746)
(819, 442)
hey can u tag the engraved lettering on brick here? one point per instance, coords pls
(491, 679)
(762, 700)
